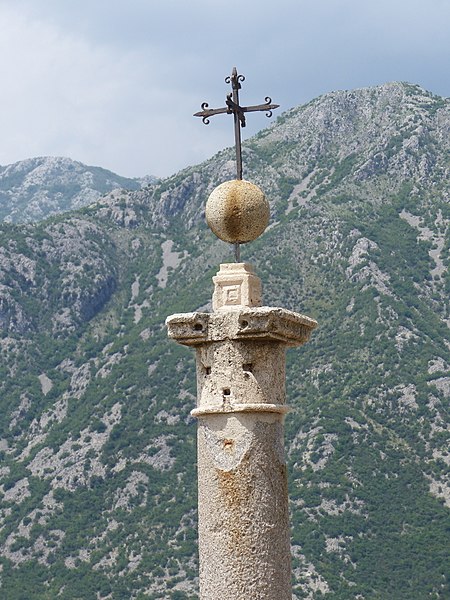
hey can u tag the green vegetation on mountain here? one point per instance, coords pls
(97, 472)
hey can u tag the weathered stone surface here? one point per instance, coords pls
(244, 537)
(232, 373)
(237, 211)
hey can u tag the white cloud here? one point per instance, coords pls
(63, 94)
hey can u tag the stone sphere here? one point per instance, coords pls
(237, 211)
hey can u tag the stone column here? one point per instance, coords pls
(244, 538)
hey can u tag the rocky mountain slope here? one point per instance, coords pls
(97, 489)
(33, 189)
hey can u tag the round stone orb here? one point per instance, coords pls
(237, 211)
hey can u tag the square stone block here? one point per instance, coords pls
(236, 285)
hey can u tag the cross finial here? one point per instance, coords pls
(233, 107)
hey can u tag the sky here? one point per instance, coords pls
(114, 83)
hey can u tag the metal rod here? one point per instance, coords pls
(237, 122)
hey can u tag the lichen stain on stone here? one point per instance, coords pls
(232, 216)
(234, 491)
(228, 445)
(237, 211)
(230, 488)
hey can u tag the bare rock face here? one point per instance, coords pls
(82, 257)
(33, 189)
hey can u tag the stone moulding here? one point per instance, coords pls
(262, 323)
(241, 408)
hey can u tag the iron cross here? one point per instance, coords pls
(233, 107)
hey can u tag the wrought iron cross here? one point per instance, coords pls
(233, 107)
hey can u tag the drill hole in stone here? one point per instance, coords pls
(208, 370)
(226, 391)
(198, 327)
(247, 367)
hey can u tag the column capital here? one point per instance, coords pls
(263, 323)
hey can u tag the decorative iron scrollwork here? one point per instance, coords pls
(233, 107)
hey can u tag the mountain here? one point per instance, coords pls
(33, 189)
(98, 483)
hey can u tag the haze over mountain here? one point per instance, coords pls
(33, 189)
(98, 485)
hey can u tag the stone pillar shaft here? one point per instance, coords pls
(244, 538)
